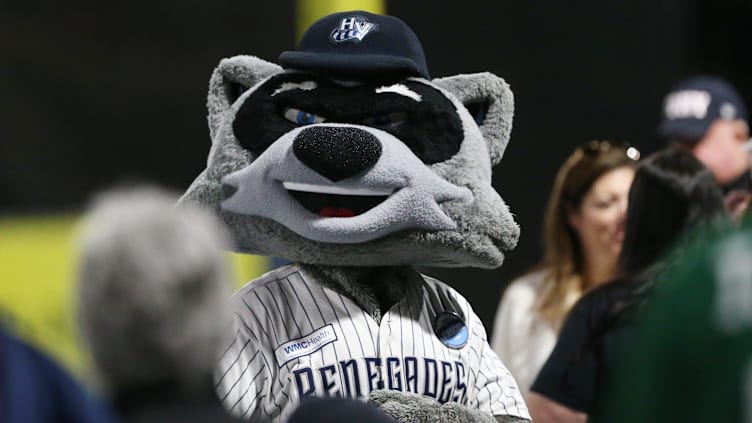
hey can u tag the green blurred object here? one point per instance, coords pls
(692, 357)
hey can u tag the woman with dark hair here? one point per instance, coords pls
(582, 237)
(672, 193)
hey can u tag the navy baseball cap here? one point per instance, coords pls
(695, 103)
(358, 44)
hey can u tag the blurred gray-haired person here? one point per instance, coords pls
(152, 286)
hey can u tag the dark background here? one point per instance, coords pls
(96, 93)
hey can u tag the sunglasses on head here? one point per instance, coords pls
(599, 147)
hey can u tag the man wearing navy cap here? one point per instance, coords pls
(708, 116)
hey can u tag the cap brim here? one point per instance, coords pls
(683, 129)
(367, 65)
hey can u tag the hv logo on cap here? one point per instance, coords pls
(687, 104)
(352, 28)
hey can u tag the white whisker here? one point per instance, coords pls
(326, 189)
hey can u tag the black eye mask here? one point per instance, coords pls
(430, 127)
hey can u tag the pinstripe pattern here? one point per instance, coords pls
(292, 337)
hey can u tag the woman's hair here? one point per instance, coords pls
(563, 259)
(672, 192)
(672, 196)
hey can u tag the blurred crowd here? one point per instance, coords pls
(638, 266)
(639, 310)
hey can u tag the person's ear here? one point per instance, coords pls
(574, 217)
(741, 130)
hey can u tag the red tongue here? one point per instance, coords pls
(336, 212)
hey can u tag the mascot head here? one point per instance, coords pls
(351, 155)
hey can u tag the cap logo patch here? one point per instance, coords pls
(687, 104)
(353, 28)
(727, 111)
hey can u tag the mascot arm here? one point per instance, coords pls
(413, 408)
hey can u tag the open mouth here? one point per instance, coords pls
(329, 201)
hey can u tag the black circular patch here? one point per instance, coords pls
(451, 329)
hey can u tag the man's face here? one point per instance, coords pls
(721, 150)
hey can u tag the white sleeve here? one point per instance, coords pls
(516, 339)
(507, 324)
(242, 376)
(495, 389)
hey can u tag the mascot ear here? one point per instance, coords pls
(491, 103)
(230, 79)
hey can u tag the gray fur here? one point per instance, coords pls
(449, 216)
(511, 419)
(244, 70)
(480, 87)
(407, 407)
(414, 204)
(483, 228)
(152, 285)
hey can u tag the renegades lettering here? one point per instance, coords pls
(441, 380)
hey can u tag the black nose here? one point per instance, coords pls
(336, 152)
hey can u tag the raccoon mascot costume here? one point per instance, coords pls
(351, 162)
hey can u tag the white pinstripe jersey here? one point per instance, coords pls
(294, 337)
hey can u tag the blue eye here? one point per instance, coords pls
(301, 117)
(387, 120)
